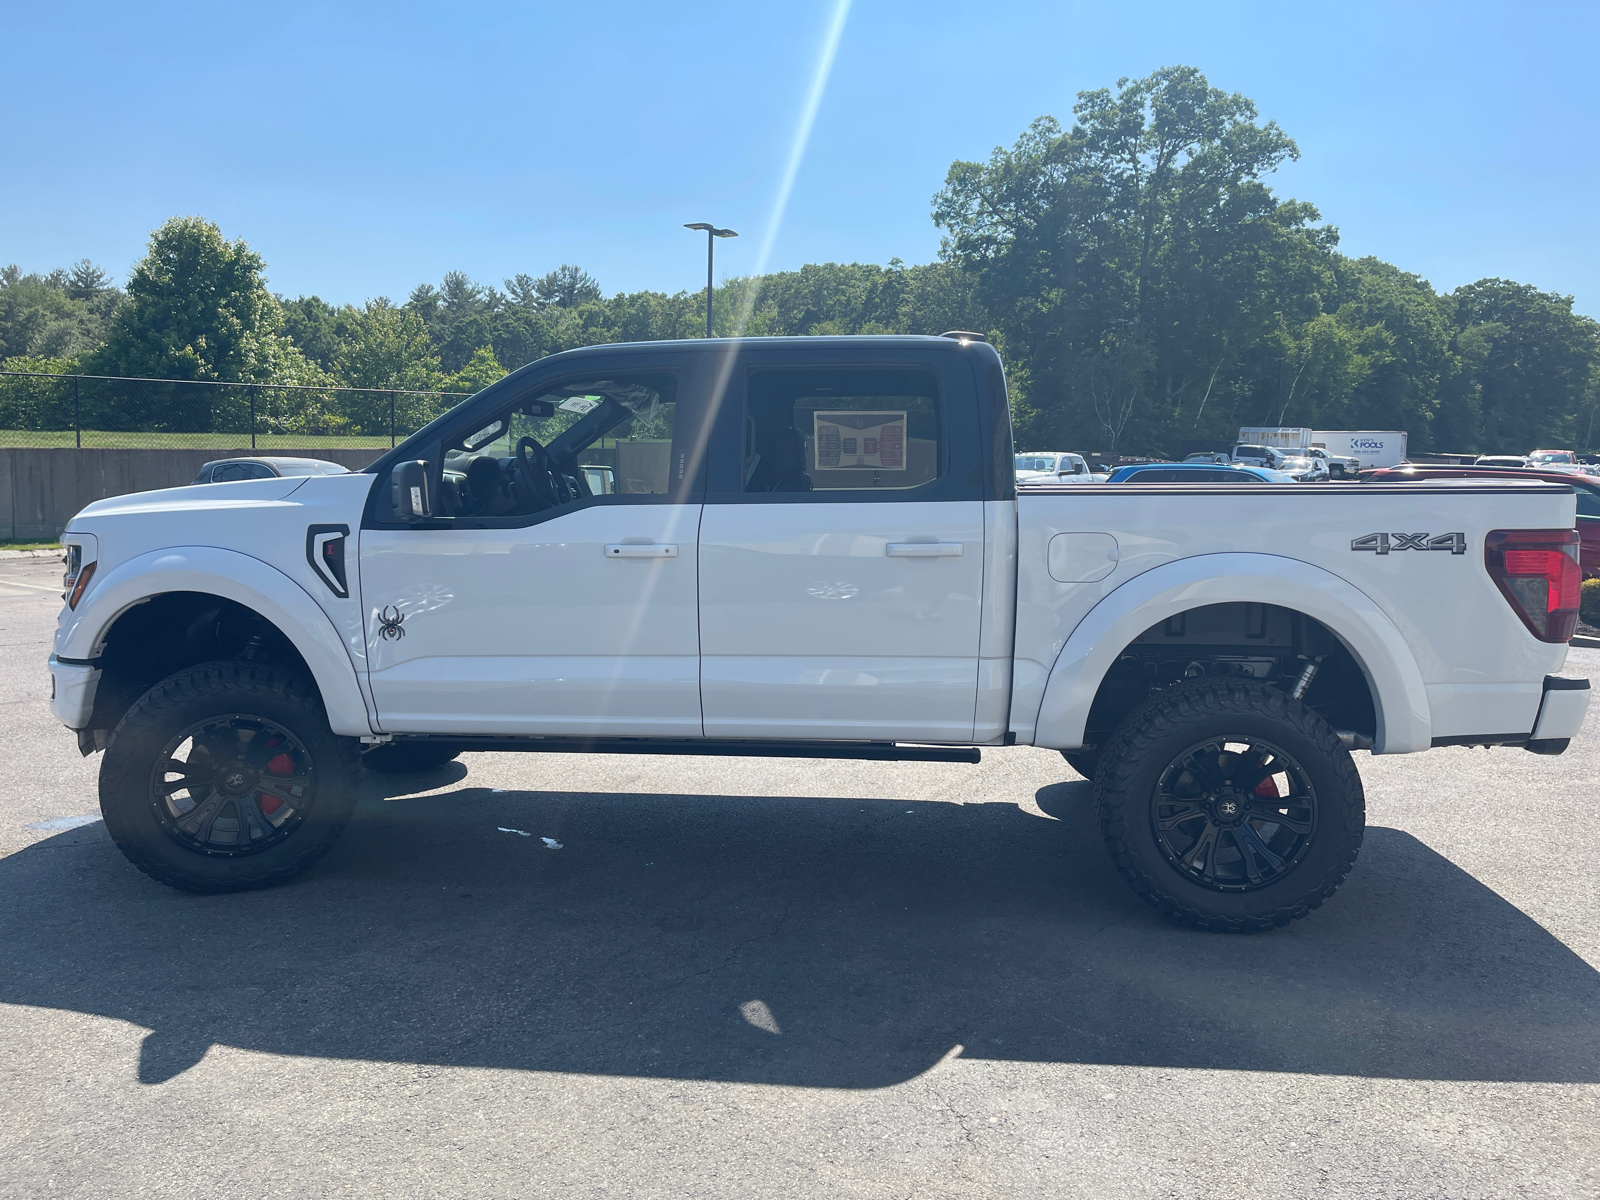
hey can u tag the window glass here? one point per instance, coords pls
(1233, 477)
(1588, 503)
(841, 429)
(1036, 462)
(563, 445)
(230, 472)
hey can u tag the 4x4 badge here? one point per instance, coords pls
(1382, 543)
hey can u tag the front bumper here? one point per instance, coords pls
(72, 688)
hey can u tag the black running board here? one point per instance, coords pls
(722, 747)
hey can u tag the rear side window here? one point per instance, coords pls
(1588, 503)
(842, 429)
(231, 472)
(1233, 477)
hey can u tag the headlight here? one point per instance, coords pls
(79, 548)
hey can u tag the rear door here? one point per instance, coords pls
(841, 550)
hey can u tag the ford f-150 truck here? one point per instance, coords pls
(814, 548)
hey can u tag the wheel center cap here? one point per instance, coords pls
(1227, 808)
(234, 781)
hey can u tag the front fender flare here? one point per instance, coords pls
(1400, 697)
(233, 576)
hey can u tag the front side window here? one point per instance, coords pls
(563, 445)
(842, 429)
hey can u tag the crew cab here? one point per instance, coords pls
(815, 547)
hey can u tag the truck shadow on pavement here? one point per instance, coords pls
(818, 942)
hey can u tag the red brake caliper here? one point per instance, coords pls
(280, 765)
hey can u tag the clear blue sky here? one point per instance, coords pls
(366, 148)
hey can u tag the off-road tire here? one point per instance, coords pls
(178, 702)
(1155, 734)
(1084, 762)
(408, 758)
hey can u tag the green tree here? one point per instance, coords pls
(1528, 364)
(198, 308)
(386, 348)
(481, 370)
(1130, 261)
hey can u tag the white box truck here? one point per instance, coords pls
(1277, 437)
(1371, 449)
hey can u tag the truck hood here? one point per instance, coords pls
(207, 497)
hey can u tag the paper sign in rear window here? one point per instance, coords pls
(852, 441)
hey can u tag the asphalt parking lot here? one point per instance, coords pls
(790, 978)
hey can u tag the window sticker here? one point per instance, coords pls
(582, 405)
(848, 441)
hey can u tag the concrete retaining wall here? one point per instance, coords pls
(41, 490)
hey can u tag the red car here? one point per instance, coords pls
(1588, 490)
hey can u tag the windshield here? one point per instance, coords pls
(1036, 462)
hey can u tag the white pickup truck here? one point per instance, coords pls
(814, 548)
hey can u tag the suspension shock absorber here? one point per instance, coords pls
(1306, 676)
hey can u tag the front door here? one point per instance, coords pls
(531, 604)
(841, 556)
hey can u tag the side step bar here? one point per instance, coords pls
(722, 747)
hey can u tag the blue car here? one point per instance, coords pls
(1195, 472)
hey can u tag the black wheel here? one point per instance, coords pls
(407, 758)
(1084, 762)
(226, 777)
(1229, 805)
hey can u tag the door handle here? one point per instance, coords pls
(640, 550)
(923, 549)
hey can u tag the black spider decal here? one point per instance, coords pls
(390, 628)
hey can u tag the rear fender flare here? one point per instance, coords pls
(1398, 691)
(232, 576)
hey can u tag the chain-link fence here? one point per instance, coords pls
(90, 411)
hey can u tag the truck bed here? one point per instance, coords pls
(1088, 557)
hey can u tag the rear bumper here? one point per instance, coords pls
(1562, 708)
(72, 688)
(1561, 714)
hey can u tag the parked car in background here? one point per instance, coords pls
(1208, 458)
(1500, 460)
(1201, 472)
(1335, 466)
(231, 470)
(1588, 489)
(1258, 456)
(1552, 458)
(1054, 466)
(1304, 468)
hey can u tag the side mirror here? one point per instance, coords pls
(408, 490)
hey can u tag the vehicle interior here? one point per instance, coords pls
(562, 445)
(825, 429)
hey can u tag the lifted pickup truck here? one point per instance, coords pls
(814, 548)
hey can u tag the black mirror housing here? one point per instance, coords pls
(408, 491)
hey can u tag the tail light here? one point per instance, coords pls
(1538, 572)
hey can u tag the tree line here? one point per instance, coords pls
(1137, 271)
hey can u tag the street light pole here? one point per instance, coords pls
(712, 232)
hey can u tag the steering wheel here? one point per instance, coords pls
(538, 478)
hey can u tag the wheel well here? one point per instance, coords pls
(172, 631)
(1255, 641)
